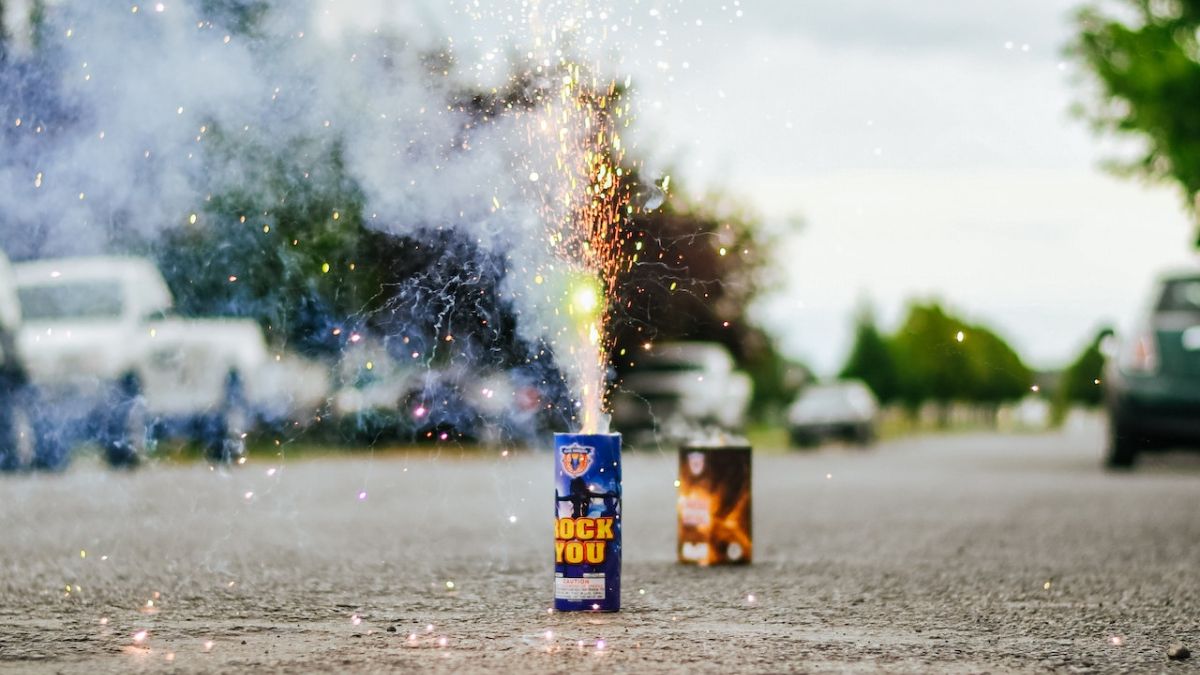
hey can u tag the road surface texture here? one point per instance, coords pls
(956, 553)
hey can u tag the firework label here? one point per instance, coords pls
(714, 505)
(587, 522)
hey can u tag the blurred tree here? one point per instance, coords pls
(933, 364)
(18, 29)
(1081, 381)
(777, 378)
(698, 265)
(998, 375)
(286, 253)
(298, 256)
(941, 358)
(26, 66)
(242, 16)
(1147, 64)
(872, 359)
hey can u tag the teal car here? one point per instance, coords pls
(1153, 383)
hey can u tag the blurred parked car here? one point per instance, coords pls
(18, 446)
(510, 404)
(115, 365)
(460, 403)
(845, 410)
(372, 384)
(680, 386)
(440, 408)
(1153, 384)
(383, 398)
(287, 389)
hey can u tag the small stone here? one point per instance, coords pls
(1178, 652)
(391, 629)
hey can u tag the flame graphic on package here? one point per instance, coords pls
(714, 509)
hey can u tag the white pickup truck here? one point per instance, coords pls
(679, 387)
(116, 366)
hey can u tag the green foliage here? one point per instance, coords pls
(699, 263)
(925, 361)
(872, 360)
(998, 374)
(1082, 379)
(933, 365)
(242, 16)
(286, 251)
(694, 274)
(777, 379)
(1148, 70)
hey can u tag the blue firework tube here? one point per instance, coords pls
(587, 522)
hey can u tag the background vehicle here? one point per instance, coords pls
(1153, 385)
(845, 410)
(18, 446)
(679, 386)
(286, 389)
(371, 387)
(384, 398)
(116, 366)
(487, 406)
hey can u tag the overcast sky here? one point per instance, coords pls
(929, 151)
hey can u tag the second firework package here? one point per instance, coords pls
(714, 504)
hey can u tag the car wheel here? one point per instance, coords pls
(224, 438)
(18, 446)
(1123, 446)
(803, 439)
(52, 448)
(129, 436)
(864, 435)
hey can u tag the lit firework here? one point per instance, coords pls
(585, 206)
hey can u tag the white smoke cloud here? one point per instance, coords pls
(138, 96)
(126, 119)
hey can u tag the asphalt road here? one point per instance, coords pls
(958, 553)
